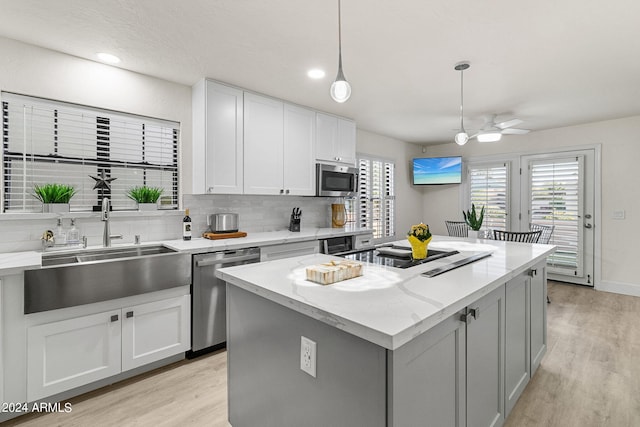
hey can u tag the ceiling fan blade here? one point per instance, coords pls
(514, 131)
(508, 123)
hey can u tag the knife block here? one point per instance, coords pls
(294, 224)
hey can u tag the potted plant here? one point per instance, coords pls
(146, 197)
(419, 237)
(473, 220)
(54, 197)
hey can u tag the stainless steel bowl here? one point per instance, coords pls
(223, 222)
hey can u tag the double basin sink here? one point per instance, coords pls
(93, 275)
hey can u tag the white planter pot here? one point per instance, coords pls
(147, 206)
(55, 207)
(473, 234)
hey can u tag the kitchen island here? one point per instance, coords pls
(393, 348)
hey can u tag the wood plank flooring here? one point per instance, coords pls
(590, 376)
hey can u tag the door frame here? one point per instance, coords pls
(516, 159)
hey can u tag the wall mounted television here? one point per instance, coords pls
(437, 170)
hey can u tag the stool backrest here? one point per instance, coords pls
(517, 236)
(547, 231)
(457, 228)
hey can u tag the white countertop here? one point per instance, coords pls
(15, 262)
(389, 306)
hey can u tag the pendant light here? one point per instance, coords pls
(461, 137)
(340, 88)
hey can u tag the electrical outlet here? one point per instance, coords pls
(308, 356)
(618, 214)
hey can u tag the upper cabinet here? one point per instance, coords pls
(217, 138)
(245, 143)
(278, 147)
(335, 139)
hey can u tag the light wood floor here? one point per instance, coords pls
(590, 376)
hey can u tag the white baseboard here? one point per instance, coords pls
(632, 289)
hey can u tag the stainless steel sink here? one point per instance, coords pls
(87, 276)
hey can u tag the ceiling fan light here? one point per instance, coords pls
(461, 138)
(489, 137)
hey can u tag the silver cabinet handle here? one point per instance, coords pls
(287, 191)
(588, 226)
(114, 318)
(129, 314)
(533, 272)
(475, 312)
(281, 191)
(213, 261)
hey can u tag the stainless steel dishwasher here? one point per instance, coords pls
(208, 298)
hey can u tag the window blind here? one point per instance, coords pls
(375, 203)
(556, 199)
(489, 187)
(47, 141)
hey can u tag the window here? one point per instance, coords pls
(47, 141)
(489, 187)
(374, 206)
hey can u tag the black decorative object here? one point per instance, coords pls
(103, 184)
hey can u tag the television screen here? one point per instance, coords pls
(437, 170)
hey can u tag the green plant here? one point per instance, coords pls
(471, 218)
(53, 193)
(145, 194)
(420, 232)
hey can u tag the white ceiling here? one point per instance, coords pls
(551, 63)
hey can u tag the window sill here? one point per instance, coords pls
(22, 216)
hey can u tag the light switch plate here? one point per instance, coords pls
(618, 214)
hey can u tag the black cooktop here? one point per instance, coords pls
(375, 257)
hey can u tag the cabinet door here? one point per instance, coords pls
(155, 331)
(71, 353)
(326, 137)
(485, 361)
(517, 353)
(288, 250)
(299, 145)
(224, 139)
(426, 378)
(263, 145)
(538, 315)
(346, 148)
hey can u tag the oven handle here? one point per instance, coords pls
(226, 260)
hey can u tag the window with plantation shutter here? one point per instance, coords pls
(47, 141)
(489, 187)
(556, 200)
(374, 206)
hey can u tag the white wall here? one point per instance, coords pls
(35, 71)
(408, 198)
(620, 142)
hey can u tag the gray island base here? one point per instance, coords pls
(454, 356)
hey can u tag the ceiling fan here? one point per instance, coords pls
(492, 131)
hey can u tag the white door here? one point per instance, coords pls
(71, 353)
(559, 191)
(154, 331)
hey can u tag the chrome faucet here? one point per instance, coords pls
(107, 236)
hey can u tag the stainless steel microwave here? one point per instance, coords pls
(336, 181)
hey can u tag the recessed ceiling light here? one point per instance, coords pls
(108, 58)
(315, 73)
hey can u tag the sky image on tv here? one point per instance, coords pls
(437, 170)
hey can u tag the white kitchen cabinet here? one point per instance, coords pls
(279, 147)
(485, 360)
(517, 339)
(335, 139)
(70, 353)
(538, 296)
(154, 331)
(1, 348)
(217, 138)
(263, 143)
(299, 173)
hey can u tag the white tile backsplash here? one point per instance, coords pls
(259, 213)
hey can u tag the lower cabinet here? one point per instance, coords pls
(70, 353)
(288, 250)
(517, 352)
(538, 328)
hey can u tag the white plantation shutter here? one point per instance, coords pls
(48, 141)
(489, 187)
(374, 206)
(556, 199)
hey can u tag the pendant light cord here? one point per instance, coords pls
(461, 100)
(339, 36)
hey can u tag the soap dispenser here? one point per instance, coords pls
(60, 238)
(73, 235)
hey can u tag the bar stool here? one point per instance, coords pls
(457, 228)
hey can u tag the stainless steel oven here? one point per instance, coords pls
(336, 181)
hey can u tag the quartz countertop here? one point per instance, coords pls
(15, 262)
(389, 306)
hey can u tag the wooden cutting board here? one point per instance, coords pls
(216, 236)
